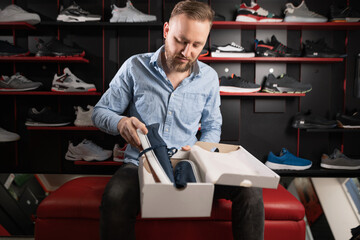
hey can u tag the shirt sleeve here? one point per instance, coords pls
(211, 119)
(113, 103)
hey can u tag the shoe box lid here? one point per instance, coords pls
(232, 165)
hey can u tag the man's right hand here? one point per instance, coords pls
(127, 128)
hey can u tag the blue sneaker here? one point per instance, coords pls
(185, 171)
(157, 153)
(287, 161)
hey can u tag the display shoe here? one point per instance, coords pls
(230, 50)
(237, 84)
(320, 49)
(255, 13)
(83, 117)
(338, 160)
(6, 136)
(301, 13)
(284, 84)
(17, 82)
(88, 151)
(157, 153)
(7, 49)
(55, 47)
(185, 171)
(68, 82)
(274, 48)
(14, 13)
(308, 120)
(46, 117)
(119, 153)
(129, 14)
(74, 13)
(287, 161)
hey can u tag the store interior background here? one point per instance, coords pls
(259, 124)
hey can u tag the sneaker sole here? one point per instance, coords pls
(232, 55)
(238, 90)
(251, 18)
(40, 124)
(17, 89)
(284, 90)
(277, 166)
(152, 159)
(65, 18)
(71, 157)
(323, 165)
(58, 54)
(303, 19)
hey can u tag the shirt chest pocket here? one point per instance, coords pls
(192, 107)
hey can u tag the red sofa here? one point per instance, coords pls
(72, 212)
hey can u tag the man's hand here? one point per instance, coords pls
(186, 148)
(127, 129)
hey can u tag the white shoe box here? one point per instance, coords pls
(233, 165)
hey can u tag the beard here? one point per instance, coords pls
(173, 64)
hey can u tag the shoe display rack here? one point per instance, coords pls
(258, 121)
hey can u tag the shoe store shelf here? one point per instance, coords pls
(65, 128)
(101, 24)
(335, 130)
(286, 25)
(53, 93)
(101, 163)
(260, 94)
(271, 59)
(44, 59)
(319, 172)
(16, 25)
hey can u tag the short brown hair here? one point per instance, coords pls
(194, 10)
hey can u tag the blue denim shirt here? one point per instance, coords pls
(141, 87)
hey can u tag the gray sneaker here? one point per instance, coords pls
(14, 13)
(129, 14)
(338, 160)
(17, 82)
(301, 14)
(6, 136)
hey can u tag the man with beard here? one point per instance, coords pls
(172, 88)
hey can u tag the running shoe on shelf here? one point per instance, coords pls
(119, 153)
(88, 151)
(7, 49)
(255, 13)
(301, 13)
(343, 14)
(83, 117)
(129, 14)
(74, 13)
(348, 121)
(56, 48)
(230, 50)
(237, 84)
(320, 49)
(338, 160)
(68, 82)
(6, 136)
(17, 82)
(274, 48)
(284, 84)
(14, 13)
(287, 161)
(309, 120)
(46, 118)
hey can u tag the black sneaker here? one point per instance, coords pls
(308, 120)
(56, 48)
(284, 84)
(237, 84)
(348, 121)
(46, 117)
(74, 13)
(320, 49)
(343, 14)
(185, 172)
(274, 48)
(7, 49)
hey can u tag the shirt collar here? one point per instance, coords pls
(156, 62)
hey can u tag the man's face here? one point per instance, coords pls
(184, 40)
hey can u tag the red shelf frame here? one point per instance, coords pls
(285, 25)
(16, 25)
(260, 94)
(64, 128)
(101, 163)
(271, 59)
(52, 93)
(44, 59)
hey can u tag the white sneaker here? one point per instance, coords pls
(14, 13)
(6, 136)
(129, 14)
(68, 82)
(83, 117)
(88, 151)
(119, 153)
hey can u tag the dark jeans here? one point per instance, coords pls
(121, 204)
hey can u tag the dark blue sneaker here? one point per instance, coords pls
(287, 161)
(185, 172)
(157, 153)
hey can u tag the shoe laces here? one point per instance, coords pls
(170, 151)
(20, 77)
(236, 45)
(92, 145)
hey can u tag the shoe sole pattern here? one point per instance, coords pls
(277, 166)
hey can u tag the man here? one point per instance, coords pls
(172, 88)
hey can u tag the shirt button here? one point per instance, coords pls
(170, 112)
(166, 129)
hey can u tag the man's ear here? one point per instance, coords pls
(166, 29)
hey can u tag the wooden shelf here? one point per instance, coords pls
(51, 93)
(271, 59)
(285, 25)
(63, 128)
(44, 59)
(262, 94)
(334, 130)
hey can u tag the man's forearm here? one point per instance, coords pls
(106, 120)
